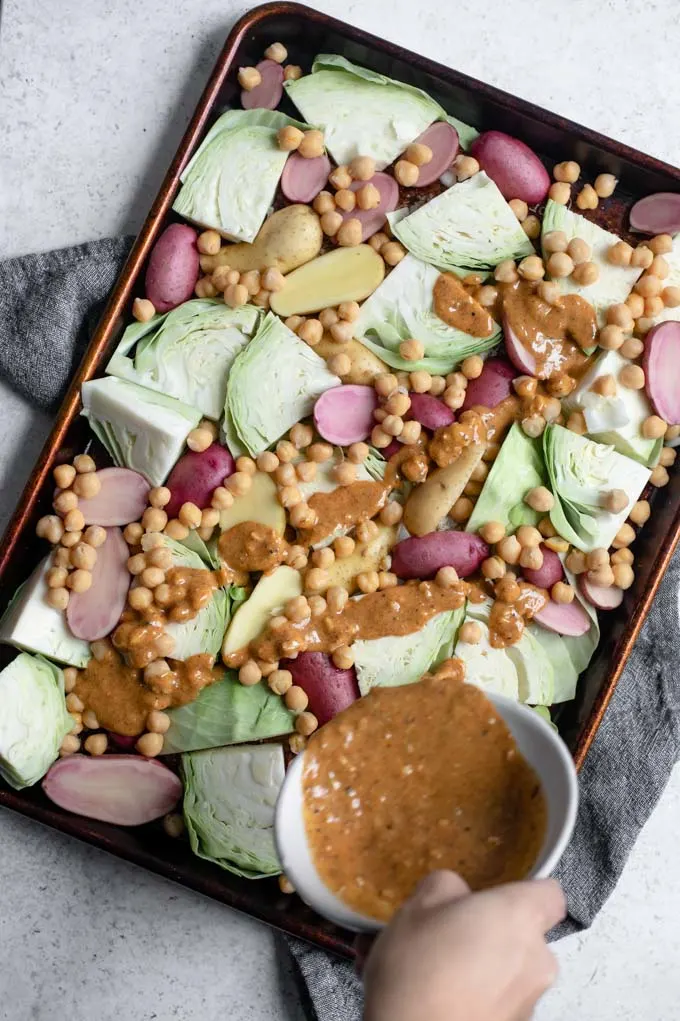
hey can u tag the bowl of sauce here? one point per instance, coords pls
(408, 780)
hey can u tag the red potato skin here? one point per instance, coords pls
(522, 359)
(569, 619)
(429, 411)
(344, 414)
(657, 214)
(492, 386)
(549, 573)
(196, 476)
(512, 165)
(173, 267)
(94, 614)
(121, 499)
(266, 95)
(302, 179)
(661, 364)
(442, 138)
(373, 220)
(598, 596)
(422, 556)
(329, 689)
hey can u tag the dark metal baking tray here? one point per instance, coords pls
(306, 32)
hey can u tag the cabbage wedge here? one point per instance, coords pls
(188, 352)
(468, 228)
(204, 632)
(230, 182)
(229, 800)
(402, 307)
(362, 113)
(34, 719)
(581, 471)
(518, 468)
(273, 383)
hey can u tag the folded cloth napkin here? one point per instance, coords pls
(48, 305)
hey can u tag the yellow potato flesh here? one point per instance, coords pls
(258, 504)
(368, 557)
(288, 239)
(364, 367)
(345, 274)
(428, 504)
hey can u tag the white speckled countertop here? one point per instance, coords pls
(95, 99)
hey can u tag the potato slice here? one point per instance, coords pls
(428, 504)
(258, 504)
(365, 366)
(287, 239)
(345, 274)
(267, 599)
(344, 570)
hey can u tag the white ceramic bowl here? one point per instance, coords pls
(540, 745)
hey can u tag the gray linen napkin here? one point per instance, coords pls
(48, 305)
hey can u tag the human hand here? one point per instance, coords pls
(453, 955)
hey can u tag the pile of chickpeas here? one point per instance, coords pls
(249, 77)
(76, 553)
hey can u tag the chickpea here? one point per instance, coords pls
(562, 593)
(320, 452)
(659, 477)
(549, 292)
(620, 254)
(642, 257)
(234, 296)
(358, 452)
(285, 451)
(610, 338)
(587, 198)
(378, 240)
(648, 286)
(238, 484)
(472, 367)
(84, 463)
(576, 562)
(306, 471)
(343, 657)
(57, 598)
(461, 510)
(654, 306)
(69, 745)
(411, 350)
(605, 185)
(249, 78)
(531, 557)
(150, 745)
(398, 403)
(69, 539)
(492, 532)
(391, 513)
(349, 233)
(406, 173)
(289, 496)
(300, 436)
(250, 673)
(487, 296)
(632, 377)
(83, 556)
(540, 499)
(79, 580)
(671, 297)
(344, 473)
(519, 208)
(323, 557)
(143, 310)
(623, 576)
(410, 434)
(493, 568)
(672, 433)
(140, 598)
(199, 440)
(532, 226)
(555, 241)
(653, 428)
(368, 581)
(345, 199)
(509, 549)
(533, 425)
(342, 332)
(362, 168)
(506, 272)
(644, 325)
(624, 536)
(64, 474)
(531, 268)
(336, 598)
(605, 386)
(66, 501)
(636, 304)
(296, 698)
(470, 633)
(154, 519)
(190, 515)
(96, 744)
(393, 253)
(667, 458)
(56, 577)
(393, 425)
(61, 557)
(639, 512)
(603, 576)
(560, 192)
(306, 724)
(545, 527)
(51, 528)
(303, 516)
(560, 265)
(280, 681)
(340, 177)
(568, 171)
(632, 348)
(465, 167)
(316, 580)
(622, 556)
(205, 288)
(220, 500)
(586, 274)
(296, 557)
(311, 144)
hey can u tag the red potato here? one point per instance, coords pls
(121, 499)
(173, 267)
(266, 95)
(127, 790)
(429, 411)
(512, 165)
(196, 476)
(492, 387)
(442, 138)
(373, 220)
(548, 574)
(302, 179)
(344, 414)
(661, 363)
(569, 619)
(422, 556)
(329, 689)
(522, 359)
(391, 449)
(600, 597)
(95, 613)
(122, 740)
(657, 214)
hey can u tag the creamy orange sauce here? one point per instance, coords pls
(344, 507)
(459, 309)
(555, 335)
(448, 443)
(251, 546)
(416, 778)
(121, 699)
(507, 620)
(400, 610)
